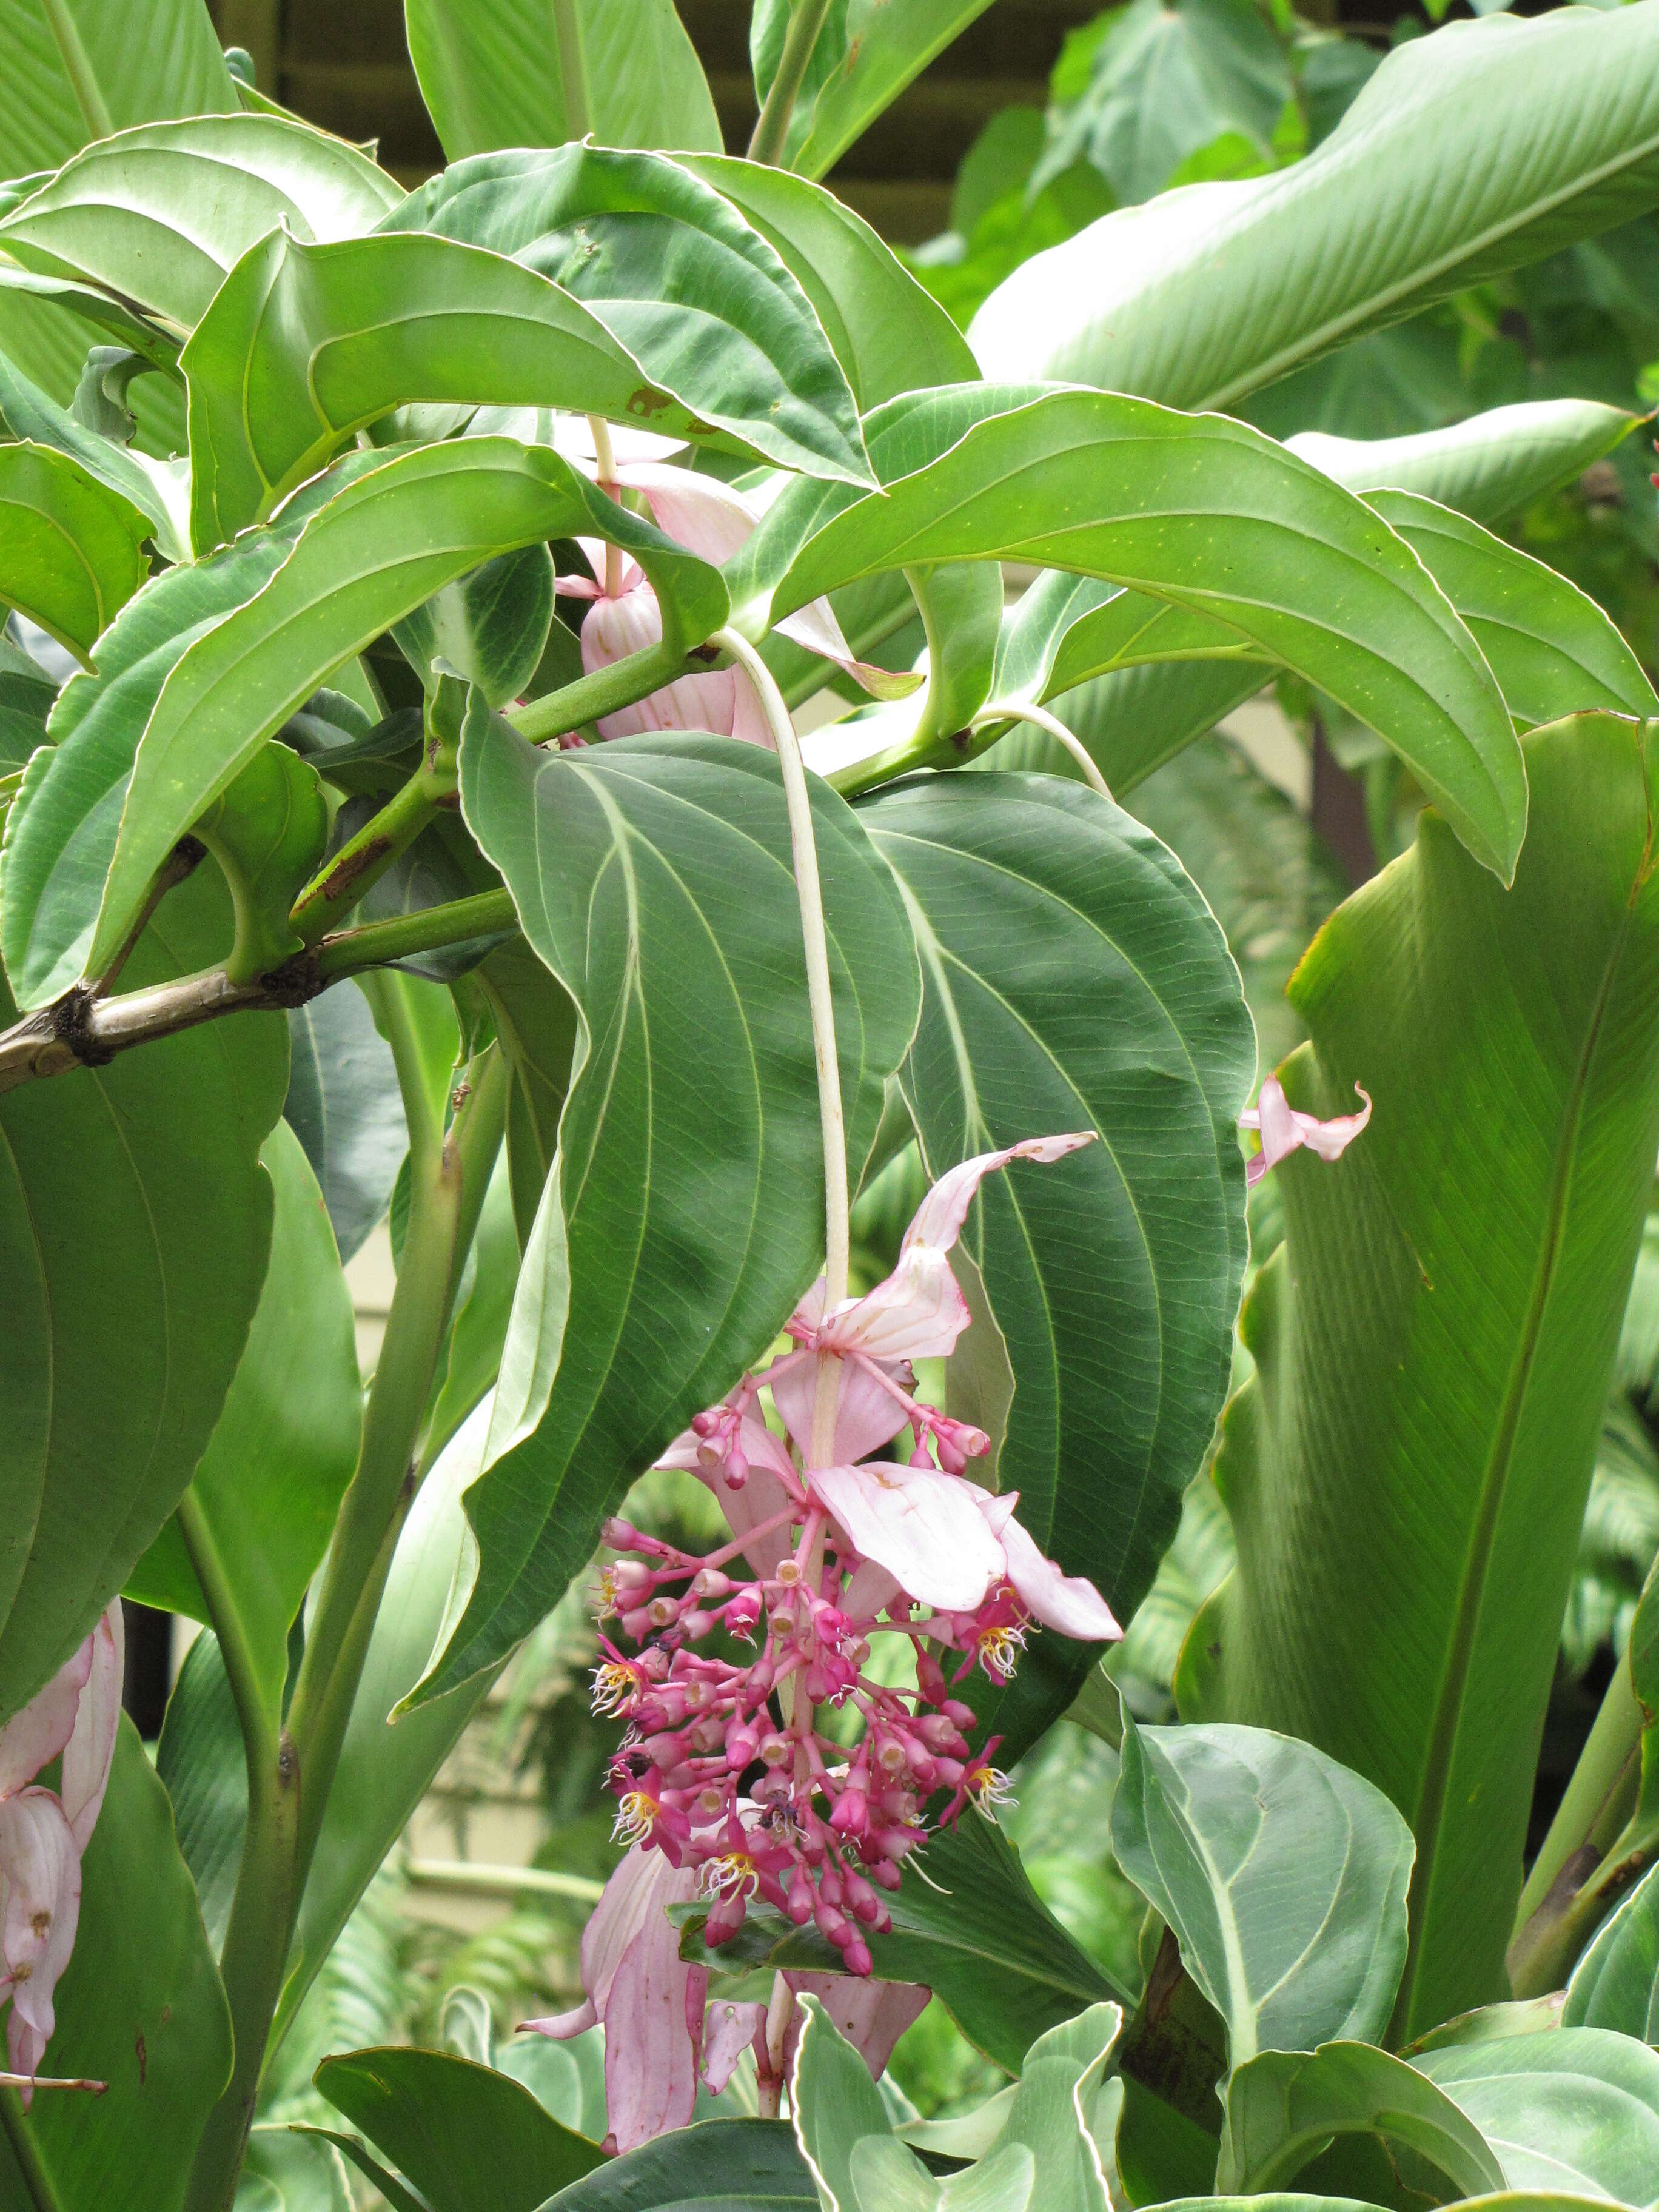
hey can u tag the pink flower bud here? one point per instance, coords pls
(663, 1612)
(742, 1746)
(799, 1905)
(710, 1583)
(744, 1612)
(724, 1919)
(855, 1956)
(638, 1624)
(776, 1749)
(964, 1716)
(620, 1535)
(930, 1678)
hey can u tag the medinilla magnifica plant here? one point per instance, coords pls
(483, 715)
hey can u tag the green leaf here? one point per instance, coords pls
(21, 288)
(155, 488)
(201, 1760)
(353, 2148)
(1074, 978)
(140, 2006)
(1284, 2108)
(983, 1942)
(889, 335)
(70, 553)
(466, 2137)
(135, 1228)
(1282, 1874)
(1615, 1983)
(371, 554)
(344, 1106)
(537, 1026)
(1551, 648)
(833, 2104)
(677, 276)
(1488, 467)
(489, 628)
(866, 55)
(496, 73)
(282, 1451)
(1134, 719)
(693, 2170)
(292, 2170)
(482, 1309)
(103, 67)
(160, 215)
(1205, 294)
(1575, 2111)
(653, 876)
(1440, 1326)
(1049, 2118)
(1177, 507)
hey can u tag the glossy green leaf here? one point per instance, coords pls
(160, 214)
(866, 55)
(370, 554)
(155, 488)
(163, 61)
(344, 1106)
(833, 2104)
(201, 1761)
(1134, 719)
(536, 1022)
(1551, 648)
(466, 2137)
(139, 2006)
(69, 555)
(496, 73)
(1073, 977)
(1433, 1341)
(1576, 2111)
(484, 1306)
(356, 2153)
(983, 1942)
(489, 628)
(135, 1228)
(1615, 1983)
(1284, 2108)
(23, 287)
(1209, 293)
(1049, 2118)
(1202, 512)
(677, 275)
(1489, 466)
(652, 876)
(889, 335)
(693, 2170)
(282, 1451)
(1282, 1874)
(26, 701)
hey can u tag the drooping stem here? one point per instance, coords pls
(1041, 719)
(836, 1224)
(807, 19)
(77, 68)
(573, 69)
(604, 464)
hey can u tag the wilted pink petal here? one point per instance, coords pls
(728, 2030)
(871, 2014)
(922, 1526)
(919, 1312)
(41, 1730)
(560, 2026)
(868, 1415)
(1282, 1129)
(1070, 1603)
(650, 2060)
(700, 513)
(40, 1878)
(91, 1747)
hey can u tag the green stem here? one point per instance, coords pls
(573, 69)
(922, 749)
(1610, 1749)
(364, 859)
(1006, 717)
(42, 2194)
(377, 943)
(806, 21)
(77, 67)
(606, 691)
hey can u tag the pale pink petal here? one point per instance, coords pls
(922, 1526)
(1070, 1603)
(764, 1493)
(635, 1901)
(700, 513)
(871, 2014)
(1330, 1139)
(919, 1312)
(614, 629)
(728, 2029)
(39, 1730)
(41, 1868)
(572, 435)
(1282, 1129)
(814, 626)
(866, 1415)
(868, 1591)
(91, 1748)
(560, 2026)
(650, 2058)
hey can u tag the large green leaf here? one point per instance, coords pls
(135, 1227)
(471, 2140)
(1198, 510)
(1282, 1874)
(693, 2170)
(140, 2006)
(679, 276)
(279, 1459)
(155, 488)
(496, 73)
(1284, 2107)
(364, 558)
(834, 2105)
(889, 335)
(1074, 978)
(1207, 293)
(866, 55)
(201, 1760)
(344, 1106)
(1433, 1341)
(77, 69)
(1616, 1983)
(1487, 467)
(70, 553)
(1574, 2110)
(160, 214)
(654, 877)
